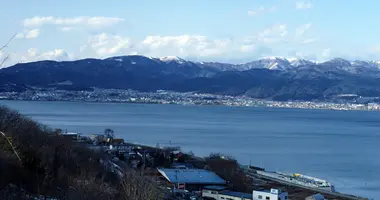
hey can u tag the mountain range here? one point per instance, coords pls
(267, 78)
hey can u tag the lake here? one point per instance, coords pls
(340, 146)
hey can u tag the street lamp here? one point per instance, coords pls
(10, 143)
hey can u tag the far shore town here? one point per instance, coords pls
(339, 102)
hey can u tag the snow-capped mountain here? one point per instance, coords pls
(296, 62)
(271, 77)
(172, 59)
(271, 63)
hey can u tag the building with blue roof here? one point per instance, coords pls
(215, 187)
(192, 178)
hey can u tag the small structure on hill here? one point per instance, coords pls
(71, 136)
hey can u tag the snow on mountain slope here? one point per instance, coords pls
(171, 59)
(296, 62)
(271, 63)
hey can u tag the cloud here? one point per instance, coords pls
(32, 34)
(326, 53)
(56, 54)
(302, 29)
(247, 48)
(34, 55)
(194, 46)
(106, 45)
(303, 5)
(28, 34)
(274, 39)
(261, 10)
(95, 22)
(32, 52)
(185, 45)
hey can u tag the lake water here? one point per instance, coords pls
(340, 146)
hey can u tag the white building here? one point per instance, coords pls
(273, 194)
(212, 192)
(221, 193)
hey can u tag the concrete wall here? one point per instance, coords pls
(227, 197)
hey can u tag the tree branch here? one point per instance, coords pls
(3, 47)
(10, 143)
(4, 60)
(9, 41)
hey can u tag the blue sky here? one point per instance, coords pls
(212, 30)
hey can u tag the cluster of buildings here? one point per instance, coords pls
(213, 187)
(178, 177)
(170, 97)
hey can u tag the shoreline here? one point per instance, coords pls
(335, 194)
(223, 105)
(244, 167)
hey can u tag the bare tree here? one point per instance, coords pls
(137, 187)
(109, 133)
(3, 47)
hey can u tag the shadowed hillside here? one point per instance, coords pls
(52, 166)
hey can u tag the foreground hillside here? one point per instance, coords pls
(270, 78)
(52, 166)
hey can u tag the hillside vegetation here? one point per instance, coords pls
(51, 166)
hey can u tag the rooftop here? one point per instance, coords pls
(70, 133)
(191, 176)
(215, 187)
(272, 191)
(237, 194)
